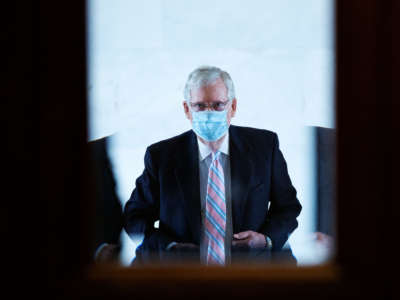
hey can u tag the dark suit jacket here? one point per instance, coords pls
(169, 191)
(108, 209)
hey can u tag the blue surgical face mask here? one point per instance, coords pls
(210, 125)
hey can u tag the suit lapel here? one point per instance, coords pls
(241, 174)
(187, 175)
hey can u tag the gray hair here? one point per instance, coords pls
(206, 75)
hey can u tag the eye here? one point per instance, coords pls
(199, 106)
(219, 105)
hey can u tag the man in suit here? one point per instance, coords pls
(221, 193)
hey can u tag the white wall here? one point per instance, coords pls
(280, 55)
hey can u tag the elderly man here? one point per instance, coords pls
(221, 192)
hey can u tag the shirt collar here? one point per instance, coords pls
(204, 151)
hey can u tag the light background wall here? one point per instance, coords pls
(280, 55)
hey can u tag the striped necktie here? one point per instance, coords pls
(215, 220)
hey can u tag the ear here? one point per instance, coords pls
(233, 107)
(187, 111)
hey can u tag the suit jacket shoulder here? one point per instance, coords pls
(171, 143)
(255, 138)
(163, 151)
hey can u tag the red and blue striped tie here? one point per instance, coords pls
(215, 220)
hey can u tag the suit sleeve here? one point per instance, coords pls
(284, 205)
(142, 210)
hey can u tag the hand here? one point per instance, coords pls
(324, 240)
(249, 239)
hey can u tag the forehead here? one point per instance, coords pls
(215, 91)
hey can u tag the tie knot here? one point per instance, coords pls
(216, 155)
